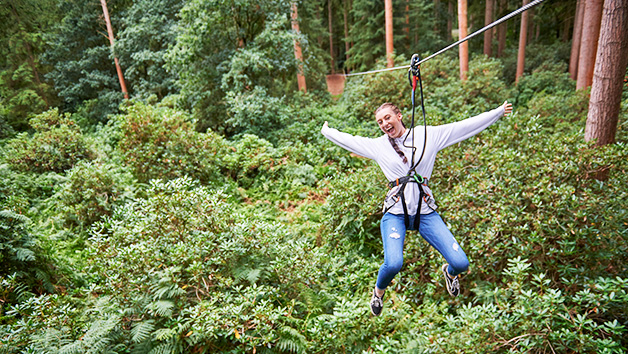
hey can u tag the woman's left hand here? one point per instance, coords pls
(507, 108)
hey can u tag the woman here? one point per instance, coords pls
(409, 204)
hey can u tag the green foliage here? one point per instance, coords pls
(23, 91)
(83, 71)
(148, 29)
(91, 192)
(252, 159)
(354, 209)
(253, 62)
(160, 142)
(56, 146)
(549, 78)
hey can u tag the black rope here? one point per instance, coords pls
(414, 73)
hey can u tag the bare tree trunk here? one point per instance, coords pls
(523, 31)
(575, 41)
(111, 41)
(297, 48)
(463, 51)
(437, 30)
(389, 33)
(488, 35)
(530, 27)
(331, 38)
(502, 30)
(450, 18)
(610, 68)
(588, 45)
(407, 28)
(347, 46)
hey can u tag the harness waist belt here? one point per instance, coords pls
(406, 179)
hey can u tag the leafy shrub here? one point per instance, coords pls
(56, 146)
(252, 159)
(91, 192)
(353, 209)
(22, 267)
(549, 78)
(160, 142)
(255, 112)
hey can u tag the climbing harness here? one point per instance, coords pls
(414, 76)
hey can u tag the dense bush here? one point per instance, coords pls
(91, 192)
(160, 142)
(549, 78)
(56, 146)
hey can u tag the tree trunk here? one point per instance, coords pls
(575, 41)
(407, 27)
(389, 33)
(111, 41)
(450, 19)
(588, 42)
(530, 27)
(331, 38)
(502, 30)
(523, 31)
(463, 52)
(297, 48)
(488, 35)
(610, 68)
(346, 17)
(437, 30)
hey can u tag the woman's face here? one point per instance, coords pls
(390, 122)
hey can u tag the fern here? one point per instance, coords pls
(162, 307)
(24, 254)
(8, 214)
(291, 340)
(165, 348)
(141, 331)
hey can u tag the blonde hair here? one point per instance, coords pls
(388, 105)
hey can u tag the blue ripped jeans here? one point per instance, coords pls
(433, 229)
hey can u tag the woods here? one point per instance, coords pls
(206, 212)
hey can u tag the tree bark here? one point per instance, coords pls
(488, 35)
(575, 41)
(463, 52)
(298, 54)
(523, 31)
(111, 41)
(407, 27)
(437, 30)
(610, 68)
(502, 30)
(331, 37)
(450, 18)
(346, 17)
(588, 43)
(389, 33)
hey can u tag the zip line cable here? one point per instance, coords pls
(505, 18)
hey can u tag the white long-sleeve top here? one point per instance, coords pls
(438, 138)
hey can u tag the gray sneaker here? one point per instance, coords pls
(377, 304)
(453, 286)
